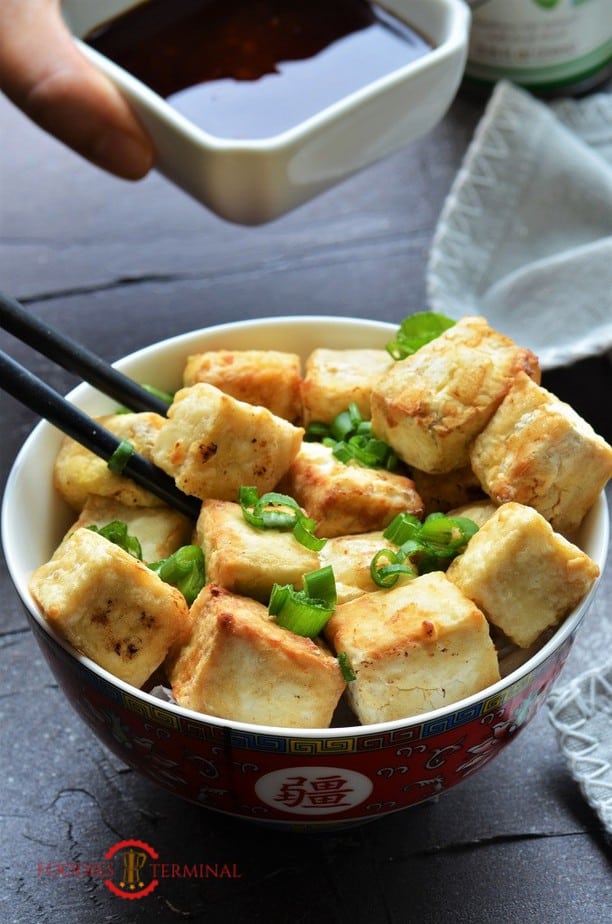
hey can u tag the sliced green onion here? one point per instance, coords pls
(316, 431)
(183, 569)
(415, 331)
(117, 532)
(428, 546)
(166, 396)
(278, 519)
(300, 612)
(446, 536)
(278, 511)
(295, 611)
(120, 457)
(321, 585)
(368, 451)
(409, 547)
(304, 533)
(427, 561)
(402, 528)
(350, 438)
(341, 452)
(345, 666)
(342, 426)
(270, 511)
(387, 575)
(247, 496)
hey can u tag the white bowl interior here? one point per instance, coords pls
(34, 518)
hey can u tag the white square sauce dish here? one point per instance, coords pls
(254, 108)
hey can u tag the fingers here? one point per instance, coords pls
(43, 72)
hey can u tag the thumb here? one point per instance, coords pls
(43, 72)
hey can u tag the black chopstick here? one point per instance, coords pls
(43, 400)
(76, 358)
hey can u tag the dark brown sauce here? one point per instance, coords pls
(254, 68)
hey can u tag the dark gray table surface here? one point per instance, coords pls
(119, 266)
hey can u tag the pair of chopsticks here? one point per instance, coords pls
(35, 394)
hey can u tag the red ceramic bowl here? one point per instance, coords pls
(310, 779)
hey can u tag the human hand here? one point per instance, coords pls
(43, 72)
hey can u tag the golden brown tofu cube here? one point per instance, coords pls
(160, 530)
(268, 378)
(347, 499)
(431, 405)
(336, 378)
(212, 444)
(525, 577)
(78, 472)
(240, 665)
(413, 648)
(247, 560)
(537, 450)
(110, 606)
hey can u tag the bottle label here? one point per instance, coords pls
(536, 42)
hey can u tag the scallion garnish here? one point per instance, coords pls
(183, 569)
(403, 527)
(120, 457)
(421, 547)
(345, 423)
(166, 396)
(446, 536)
(415, 331)
(345, 666)
(300, 611)
(350, 439)
(304, 532)
(278, 511)
(316, 431)
(321, 585)
(387, 566)
(117, 532)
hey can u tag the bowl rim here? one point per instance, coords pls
(599, 512)
(280, 142)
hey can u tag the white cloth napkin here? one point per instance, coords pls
(581, 714)
(525, 234)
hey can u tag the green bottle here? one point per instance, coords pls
(552, 47)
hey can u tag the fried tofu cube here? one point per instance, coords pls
(211, 444)
(160, 530)
(413, 648)
(336, 378)
(346, 499)
(78, 472)
(441, 492)
(537, 450)
(525, 577)
(430, 406)
(239, 664)
(247, 560)
(267, 378)
(110, 606)
(350, 558)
